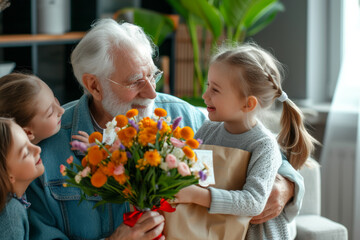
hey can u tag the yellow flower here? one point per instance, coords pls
(187, 133)
(153, 158)
(132, 113)
(192, 143)
(121, 121)
(95, 135)
(160, 112)
(188, 152)
(141, 163)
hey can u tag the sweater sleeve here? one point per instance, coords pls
(292, 209)
(250, 201)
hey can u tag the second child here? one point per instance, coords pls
(32, 104)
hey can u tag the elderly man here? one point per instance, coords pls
(114, 65)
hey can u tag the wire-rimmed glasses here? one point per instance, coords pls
(140, 83)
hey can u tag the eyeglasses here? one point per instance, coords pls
(140, 84)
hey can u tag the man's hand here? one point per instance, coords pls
(148, 227)
(282, 192)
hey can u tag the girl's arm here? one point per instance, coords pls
(82, 137)
(194, 194)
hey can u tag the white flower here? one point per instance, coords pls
(78, 178)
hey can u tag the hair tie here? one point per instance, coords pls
(283, 97)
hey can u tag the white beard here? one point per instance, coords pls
(114, 107)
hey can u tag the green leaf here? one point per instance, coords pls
(233, 11)
(264, 18)
(157, 26)
(257, 9)
(207, 12)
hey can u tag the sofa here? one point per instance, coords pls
(310, 225)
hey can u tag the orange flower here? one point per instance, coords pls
(153, 158)
(187, 133)
(165, 128)
(130, 132)
(121, 179)
(192, 143)
(95, 155)
(121, 121)
(146, 122)
(98, 179)
(160, 112)
(108, 169)
(105, 153)
(95, 135)
(188, 152)
(119, 157)
(84, 161)
(176, 133)
(132, 113)
(127, 191)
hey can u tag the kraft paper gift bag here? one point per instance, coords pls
(191, 221)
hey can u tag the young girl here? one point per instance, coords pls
(20, 164)
(32, 104)
(243, 81)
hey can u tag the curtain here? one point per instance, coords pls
(340, 159)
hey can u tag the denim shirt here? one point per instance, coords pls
(55, 212)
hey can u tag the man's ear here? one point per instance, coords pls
(92, 84)
(250, 105)
(29, 133)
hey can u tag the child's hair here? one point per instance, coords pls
(17, 91)
(5, 145)
(260, 75)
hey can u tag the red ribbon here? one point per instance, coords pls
(131, 218)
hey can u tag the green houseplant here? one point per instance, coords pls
(236, 19)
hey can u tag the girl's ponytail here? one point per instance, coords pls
(294, 139)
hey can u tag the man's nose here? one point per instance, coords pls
(148, 91)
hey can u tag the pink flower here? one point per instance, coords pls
(177, 143)
(62, 169)
(183, 169)
(85, 172)
(115, 145)
(171, 161)
(70, 160)
(119, 170)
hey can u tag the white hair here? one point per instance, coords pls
(95, 52)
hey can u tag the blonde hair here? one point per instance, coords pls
(17, 92)
(260, 75)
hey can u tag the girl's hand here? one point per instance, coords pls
(82, 137)
(194, 194)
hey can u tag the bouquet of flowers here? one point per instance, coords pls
(142, 161)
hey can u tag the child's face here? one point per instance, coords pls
(23, 160)
(223, 101)
(47, 120)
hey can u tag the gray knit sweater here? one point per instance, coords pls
(263, 165)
